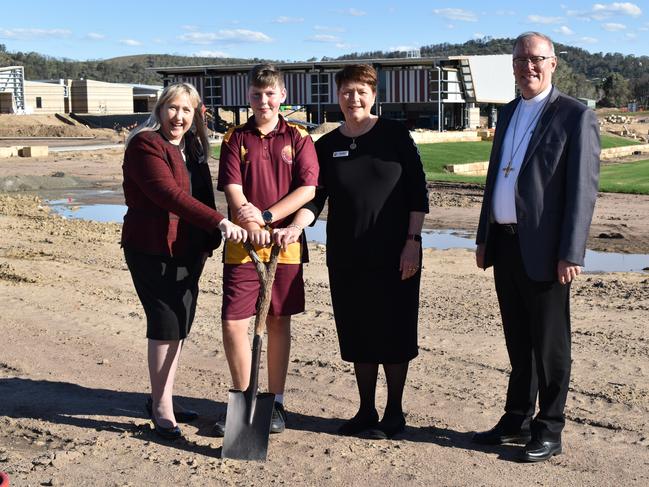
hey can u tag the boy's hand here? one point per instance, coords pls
(286, 236)
(249, 213)
(259, 236)
(232, 232)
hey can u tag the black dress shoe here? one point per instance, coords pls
(184, 416)
(498, 435)
(388, 428)
(172, 433)
(219, 428)
(539, 451)
(359, 423)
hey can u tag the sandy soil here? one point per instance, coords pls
(73, 367)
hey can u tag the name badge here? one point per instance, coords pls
(341, 153)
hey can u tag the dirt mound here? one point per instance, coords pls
(46, 126)
(326, 127)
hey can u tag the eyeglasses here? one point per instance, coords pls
(521, 62)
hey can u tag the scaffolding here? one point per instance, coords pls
(12, 80)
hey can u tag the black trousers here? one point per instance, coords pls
(536, 322)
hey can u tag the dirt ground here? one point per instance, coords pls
(73, 374)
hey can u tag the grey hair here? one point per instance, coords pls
(200, 146)
(527, 35)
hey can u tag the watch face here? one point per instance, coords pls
(267, 216)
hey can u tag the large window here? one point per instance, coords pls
(213, 92)
(320, 88)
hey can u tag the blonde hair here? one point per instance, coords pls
(199, 146)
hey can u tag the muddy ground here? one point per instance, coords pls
(73, 374)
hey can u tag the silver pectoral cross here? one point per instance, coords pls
(507, 169)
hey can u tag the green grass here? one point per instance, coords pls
(629, 177)
(609, 141)
(632, 177)
(216, 151)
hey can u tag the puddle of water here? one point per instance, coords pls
(71, 207)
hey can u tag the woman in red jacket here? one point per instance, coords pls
(170, 228)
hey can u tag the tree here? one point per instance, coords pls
(616, 91)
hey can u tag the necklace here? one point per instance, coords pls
(509, 168)
(366, 128)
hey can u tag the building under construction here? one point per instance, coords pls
(441, 93)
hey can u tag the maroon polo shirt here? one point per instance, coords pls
(268, 167)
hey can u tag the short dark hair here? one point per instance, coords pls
(359, 73)
(265, 75)
(527, 35)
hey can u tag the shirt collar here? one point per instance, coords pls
(279, 129)
(538, 98)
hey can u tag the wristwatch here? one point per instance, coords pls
(267, 217)
(414, 236)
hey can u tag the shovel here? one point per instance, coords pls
(247, 423)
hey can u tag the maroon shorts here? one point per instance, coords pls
(241, 290)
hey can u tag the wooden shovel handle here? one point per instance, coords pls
(266, 273)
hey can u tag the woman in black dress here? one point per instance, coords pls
(371, 173)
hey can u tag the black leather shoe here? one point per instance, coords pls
(184, 416)
(388, 428)
(278, 419)
(498, 435)
(172, 433)
(359, 423)
(539, 451)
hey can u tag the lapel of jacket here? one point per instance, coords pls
(549, 110)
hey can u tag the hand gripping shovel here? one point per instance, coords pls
(247, 423)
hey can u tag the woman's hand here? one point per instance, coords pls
(286, 236)
(409, 263)
(249, 213)
(232, 232)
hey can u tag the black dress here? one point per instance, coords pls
(371, 189)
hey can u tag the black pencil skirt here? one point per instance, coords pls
(168, 290)
(376, 314)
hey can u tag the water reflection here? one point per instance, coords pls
(435, 239)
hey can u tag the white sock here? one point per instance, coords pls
(279, 398)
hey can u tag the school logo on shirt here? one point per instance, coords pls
(244, 152)
(287, 154)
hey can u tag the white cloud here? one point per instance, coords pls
(643, 29)
(27, 34)
(325, 28)
(342, 45)
(208, 53)
(130, 42)
(450, 26)
(478, 35)
(228, 35)
(456, 14)
(288, 20)
(631, 35)
(189, 27)
(587, 40)
(354, 12)
(622, 8)
(505, 12)
(324, 38)
(565, 30)
(94, 36)
(613, 27)
(540, 19)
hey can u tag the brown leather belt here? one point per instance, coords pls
(508, 228)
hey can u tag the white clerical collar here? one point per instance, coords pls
(538, 98)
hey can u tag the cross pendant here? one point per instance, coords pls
(508, 168)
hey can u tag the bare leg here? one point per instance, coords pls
(237, 351)
(279, 349)
(163, 357)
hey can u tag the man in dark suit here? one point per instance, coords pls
(536, 213)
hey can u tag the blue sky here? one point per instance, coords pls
(297, 30)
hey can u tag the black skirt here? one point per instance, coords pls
(168, 290)
(376, 314)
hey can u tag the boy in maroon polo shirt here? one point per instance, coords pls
(268, 169)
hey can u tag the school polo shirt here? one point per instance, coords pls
(268, 167)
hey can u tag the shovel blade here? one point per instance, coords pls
(246, 440)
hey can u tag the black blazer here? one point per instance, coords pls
(556, 187)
